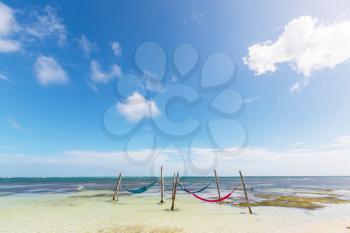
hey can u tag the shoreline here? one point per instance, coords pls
(97, 213)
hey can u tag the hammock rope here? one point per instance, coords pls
(213, 200)
(198, 191)
(142, 189)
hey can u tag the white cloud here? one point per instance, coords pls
(252, 99)
(91, 85)
(307, 44)
(117, 49)
(136, 107)
(343, 140)
(297, 144)
(4, 78)
(40, 25)
(153, 84)
(8, 21)
(46, 25)
(49, 72)
(99, 76)
(8, 46)
(8, 26)
(85, 45)
(252, 161)
(298, 86)
(196, 16)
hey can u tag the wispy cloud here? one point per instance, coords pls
(196, 16)
(8, 46)
(49, 72)
(99, 76)
(47, 24)
(153, 84)
(307, 44)
(39, 24)
(4, 78)
(15, 124)
(343, 140)
(8, 27)
(85, 45)
(136, 108)
(6, 147)
(252, 99)
(117, 49)
(297, 144)
(92, 85)
(298, 86)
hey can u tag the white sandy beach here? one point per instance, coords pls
(82, 213)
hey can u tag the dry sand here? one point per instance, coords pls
(94, 212)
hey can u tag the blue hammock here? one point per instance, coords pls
(198, 191)
(142, 189)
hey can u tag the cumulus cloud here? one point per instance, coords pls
(47, 24)
(8, 26)
(117, 49)
(85, 45)
(136, 108)
(99, 76)
(49, 72)
(306, 44)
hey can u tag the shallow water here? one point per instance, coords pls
(276, 185)
(62, 213)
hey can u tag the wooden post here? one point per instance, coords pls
(245, 192)
(174, 193)
(161, 185)
(117, 186)
(217, 183)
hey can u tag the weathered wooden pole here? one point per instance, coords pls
(161, 185)
(245, 193)
(217, 183)
(117, 186)
(174, 192)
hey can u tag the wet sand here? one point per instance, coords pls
(94, 212)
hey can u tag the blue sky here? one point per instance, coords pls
(82, 83)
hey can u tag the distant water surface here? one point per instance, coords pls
(37, 186)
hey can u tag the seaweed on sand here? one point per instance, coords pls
(310, 203)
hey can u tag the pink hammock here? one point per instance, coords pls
(213, 200)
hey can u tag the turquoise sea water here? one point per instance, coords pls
(290, 185)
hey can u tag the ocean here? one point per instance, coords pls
(261, 185)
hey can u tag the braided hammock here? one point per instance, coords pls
(142, 189)
(198, 191)
(213, 200)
